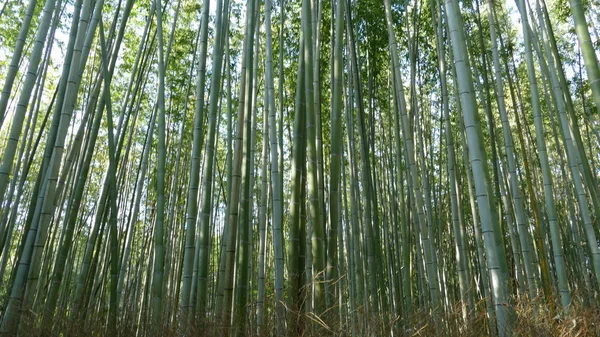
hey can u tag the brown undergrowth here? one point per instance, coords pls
(533, 319)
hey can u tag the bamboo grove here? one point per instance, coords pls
(348, 167)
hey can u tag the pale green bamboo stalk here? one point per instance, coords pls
(276, 188)
(158, 268)
(262, 222)
(112, 172)
(295, 261)
(483, 273)
(230, 135)
(349, 256)
(358, 260)
(29, 82)
(540, 138)
(318, 229)
(416, 193)
(12, 314)
(336, 148)
(243, 263)
(572, 157)
(587, 50)
(71, 219)
(459, 233)
(366, 177)
(316, 17)
(244, 101)
(208, 175)
(587, 170)
(187, 294)
(515, 190)
(13, 67)
(25, 149)
(134, 208)
(487, 212)
(46, 206)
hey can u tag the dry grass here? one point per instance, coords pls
(577, 321)
(533, 319)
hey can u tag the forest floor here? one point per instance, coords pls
(537, 320)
